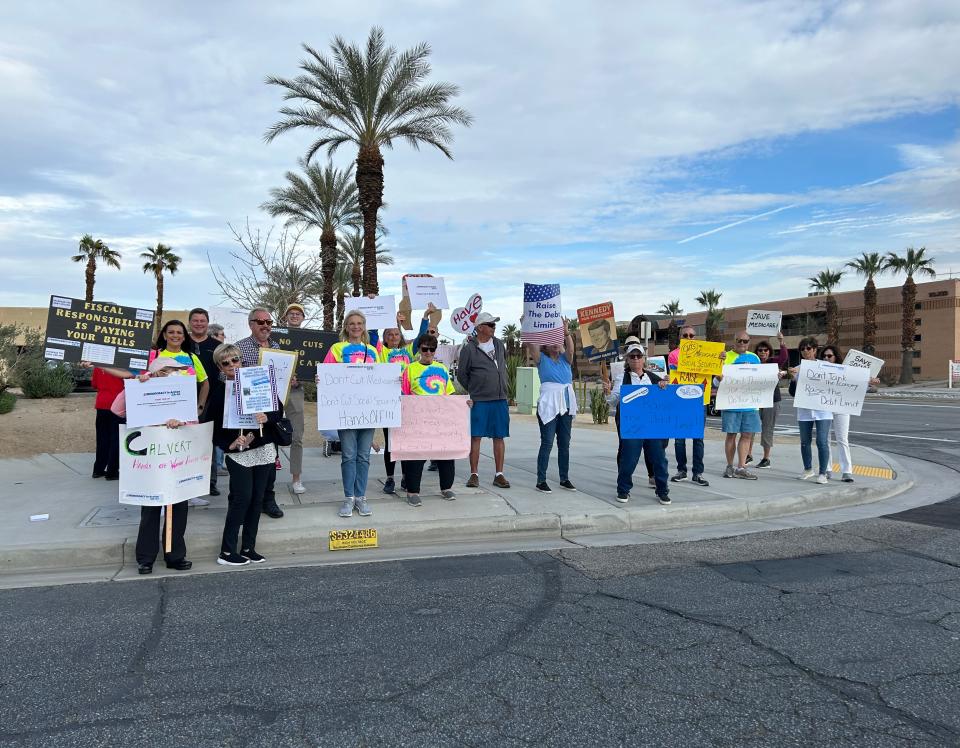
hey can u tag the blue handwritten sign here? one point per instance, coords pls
(647, 412)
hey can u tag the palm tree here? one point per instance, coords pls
(325, 199)
(91, 250)
(160, 259)
(912, 263)
(511, 338)
(353, 252)
(674, 310)
(341, 287)
(824, 282)
(711, 300)
(369, 98)
(869, 266)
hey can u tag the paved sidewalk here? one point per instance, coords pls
(88, 528)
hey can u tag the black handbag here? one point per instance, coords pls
(283, 431)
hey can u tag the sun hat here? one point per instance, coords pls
(164, 362)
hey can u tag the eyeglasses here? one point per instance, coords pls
(690, 335)
(235, 360)
(262, 322)
(427, 349)
(636, 355)
(828, 355)
(763, 350)
(742, 340)
(808, 348)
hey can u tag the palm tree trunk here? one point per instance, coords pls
(869, 317)
(908, 295)
(340, 311)
(370, 195)
(833, 321)
(328, 266)
(157, 324)
(91, 277)
(356, 279)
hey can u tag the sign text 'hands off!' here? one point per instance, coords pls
(358, 396)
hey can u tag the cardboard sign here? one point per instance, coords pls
(542, 322)
(701, 357)
(747, 386)
(427, 290)
(284, 365)
(434, 427)
(863, 361)
(256, 390)
(358, 396)
(464, 318)
(685, 377)
(834, 388)
(675, 412)
(598, 331)
(98, 331)
(658, 365)
(234, 322)
(159, 399)
(311, 347)
(232, 417)
(763, 324)
(164, 466)
(381, 312)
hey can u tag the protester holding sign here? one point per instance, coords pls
(680, 445)
(556, 407)
(250, 458)
(742, 421)
(294, 316)
(768, 416)
(628, 454)
(809, 419)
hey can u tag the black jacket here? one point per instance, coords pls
(222, 437)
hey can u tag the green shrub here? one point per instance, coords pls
(7, 401)
(514, 362)
(599, 407)
(40, 381)
(309, 391)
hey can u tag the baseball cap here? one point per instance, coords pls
(164, 362)
(485, 318)
(291, 307)
(633, 344)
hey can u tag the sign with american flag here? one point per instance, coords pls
(542, 318)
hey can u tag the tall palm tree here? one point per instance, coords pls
(369, 98)
(160, 260)
(353, 252)
(324, 198)
(674, 310)
(711, 300)
(511, 338)
(91, 250)
(341, 287)
(869, 265)
(824, 282)
(912, 263)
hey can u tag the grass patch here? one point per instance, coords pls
(7, 401)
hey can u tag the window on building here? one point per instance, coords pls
(916, 354)
(917, 306)
(916, 369)
(916, 322)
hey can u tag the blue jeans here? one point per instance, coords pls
(355, 460)
(560, 427)
(629, 457)
(680, 450)
(823, 444)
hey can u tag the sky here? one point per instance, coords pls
(634, 153)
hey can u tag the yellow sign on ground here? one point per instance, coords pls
(689, 377)
(701, 357)
(347, 540)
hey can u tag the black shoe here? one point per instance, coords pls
(232, 559)
(112, 477)
(749, 460)
(664, 498)
(255, 558)
(181, 565)
(389, 486)
(680, 476)
(764, 463)
(214, 491)
(543, 487)
(432, 467)
(145, 569)
(97, 474)
(700, 481)
(567, 485)
(623, 498)
(272, 510)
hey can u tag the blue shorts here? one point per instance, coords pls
(490, 418)
(741, 422)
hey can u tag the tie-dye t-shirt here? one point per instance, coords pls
(193, 365)
(423, 379)
(401, 356)
(351, 353)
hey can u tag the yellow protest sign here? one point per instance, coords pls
(689, 377)
(701, 357)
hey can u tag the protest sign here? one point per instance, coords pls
(747, 386)
(598, 331)
(284, 365)
(426, 290)
(256, 390)
(381, 312)
(675, 412)
(447, 354)
(159, 399)
(311, 347)
(658, 365)
(464, 318)
(234, 322)
(763, 323)
(542, 322)
(863, 361)
(831, 387)
(232, 417)
(616, 371)
(161, 466)
(701, 357)
(434, 427)
(358, 396)
(98, 331)
(685, 377)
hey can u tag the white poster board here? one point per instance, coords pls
(161, 466)
(831, 387)
(423, 291)
(763, 323)
(863, 361)
(159, 399)
(284, 365)
(234, 321)
(658, 365)
(256, 389)
(358, 396)
(747, 386)
(381, 312)
(232, 417)
(447, 354)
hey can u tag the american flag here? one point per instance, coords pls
(542, 331)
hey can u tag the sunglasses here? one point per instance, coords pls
(489, 324)
(689, 336)
(828, 355)
(262, 322)
(235, 360)
(809, 348)
(764, 350)
(741, 340)
(636, 355)
(427, 349)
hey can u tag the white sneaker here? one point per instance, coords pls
(807, 475)
(197, 501)
(298, 488)
(822, 479)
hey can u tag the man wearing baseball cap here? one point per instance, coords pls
(482, 370)
(293, 408)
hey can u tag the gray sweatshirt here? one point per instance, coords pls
(479, 375)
